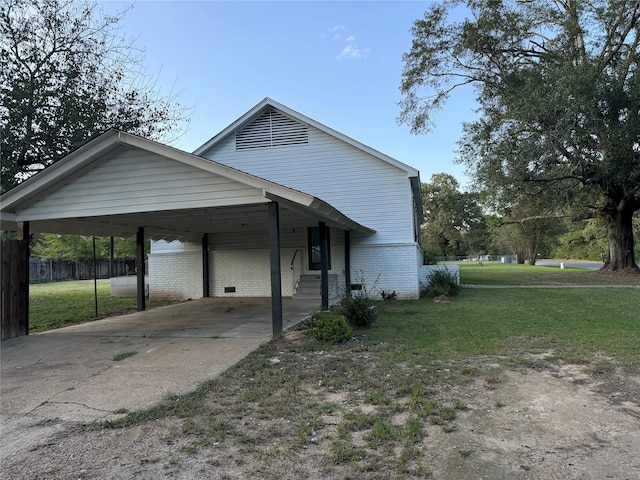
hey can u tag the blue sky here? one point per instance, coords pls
(337, 62)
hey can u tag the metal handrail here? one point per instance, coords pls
(293, 270)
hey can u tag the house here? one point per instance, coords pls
(276, 143)
(276, 204)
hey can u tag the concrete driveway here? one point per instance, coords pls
(70, 374)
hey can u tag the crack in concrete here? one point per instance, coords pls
(70, 403)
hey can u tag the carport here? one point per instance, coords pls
(121, 185)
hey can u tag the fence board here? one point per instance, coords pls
(44, 269)
(14, 287)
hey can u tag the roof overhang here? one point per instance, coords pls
(166, 222)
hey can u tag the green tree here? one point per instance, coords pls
(585, 239)
(558, 89)
(525, 235)
(453, 221)
(78, 248)
(66, 76)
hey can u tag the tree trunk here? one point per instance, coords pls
(620, 236)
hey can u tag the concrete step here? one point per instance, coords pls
(309, 286)
(307, 296)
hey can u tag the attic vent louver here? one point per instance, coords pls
(272, 129)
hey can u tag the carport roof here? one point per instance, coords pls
(119, 182)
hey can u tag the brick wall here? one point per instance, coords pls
(426, 270)
(179, 275)
(381, 267)
(387, 267)
(175, 276)
(247, 271)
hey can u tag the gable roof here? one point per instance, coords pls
(32, 200)
(268, 102)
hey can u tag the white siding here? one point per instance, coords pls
(366, 189)
(176, 246)
(141, 182)
(363, 187)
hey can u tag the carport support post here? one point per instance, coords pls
(205, 266)
(24, 234)
(140, 268)
(347, 261)
(276, 276)
(324, 266)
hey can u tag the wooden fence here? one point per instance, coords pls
(45, 269)
(14, 286)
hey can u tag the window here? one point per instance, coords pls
(315, 262)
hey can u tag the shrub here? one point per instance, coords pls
(386, 295)
(330, 327)
(356, 304)
(441, 282)
(358, 309)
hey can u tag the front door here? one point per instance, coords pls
(314, 248)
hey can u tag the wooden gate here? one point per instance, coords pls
(14, 283)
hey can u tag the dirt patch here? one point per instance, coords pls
(292, 412)
(539, 424)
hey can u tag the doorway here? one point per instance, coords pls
(313, 234)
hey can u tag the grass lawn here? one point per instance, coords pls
(60, 304)
(374, 399)
(490, 273)
(573, 323)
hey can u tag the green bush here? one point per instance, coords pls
(441, 282)
(330, 327)
(358, 308)
(430, 254)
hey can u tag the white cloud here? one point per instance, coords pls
(353, 52)
(337, 31)
(334, 32)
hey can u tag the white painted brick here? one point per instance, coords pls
(387, 267)
(382, 267)
(426, 270)
(175, 276)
